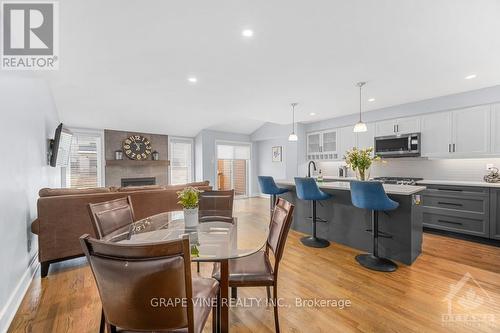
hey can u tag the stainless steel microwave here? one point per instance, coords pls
(404, 145)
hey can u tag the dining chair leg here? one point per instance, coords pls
(102, 324)
(275, 303)
(268, 293)
(234, 292)
(214, 317)
(198, 267)
(218, 311)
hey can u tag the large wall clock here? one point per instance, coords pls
(137, 147)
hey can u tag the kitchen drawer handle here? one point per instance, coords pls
(450, 222)
(450, 189)
(450, 203)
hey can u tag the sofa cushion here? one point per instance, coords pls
(54, 192)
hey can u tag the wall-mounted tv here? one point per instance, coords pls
(60, 147)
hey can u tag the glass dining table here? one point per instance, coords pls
(210, 241)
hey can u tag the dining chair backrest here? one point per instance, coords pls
(216, 206)
(137, 282)
(111, 216)
(281, 221)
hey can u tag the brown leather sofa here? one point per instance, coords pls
(63, 215)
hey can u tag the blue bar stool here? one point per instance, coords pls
(268, 186)
(371, 195)
(307, 189)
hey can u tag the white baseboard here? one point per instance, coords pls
(10, 308)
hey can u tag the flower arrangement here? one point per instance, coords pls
(188, 197)
(360, 160)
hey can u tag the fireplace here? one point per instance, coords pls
(138, 181)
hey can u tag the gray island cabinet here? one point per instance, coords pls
(401, 229)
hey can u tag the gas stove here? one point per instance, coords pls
(398, 180)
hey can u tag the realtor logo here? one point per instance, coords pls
(30, 32)
(466, 300)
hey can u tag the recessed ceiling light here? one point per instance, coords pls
(312, 113)
(247, 33)
(471, 76)
(192, 79)
(371, 100)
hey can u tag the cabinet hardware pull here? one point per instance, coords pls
(450, 189)
(450, 203)
(450, 222)
(454, 150)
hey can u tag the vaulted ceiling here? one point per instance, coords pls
(126, 64)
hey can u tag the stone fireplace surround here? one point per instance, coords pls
(128, 169)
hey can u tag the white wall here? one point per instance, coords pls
(29, 118)
(205, 160)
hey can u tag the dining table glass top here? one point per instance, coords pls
(209, 241)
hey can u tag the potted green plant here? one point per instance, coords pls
(188, 199)
(360, 161)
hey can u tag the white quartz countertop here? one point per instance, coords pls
(457, 183)
(344, 185)
(433, 182)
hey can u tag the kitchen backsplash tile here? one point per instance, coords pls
(439, 169)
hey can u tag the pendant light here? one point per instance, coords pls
(293, 136)
(360, 126)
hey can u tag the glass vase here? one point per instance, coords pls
(363, 174)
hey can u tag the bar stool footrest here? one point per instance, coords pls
(380, 233)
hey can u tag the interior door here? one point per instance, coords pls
(471, 130)
(436, 134)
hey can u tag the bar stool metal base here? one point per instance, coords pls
(376, 263)
(312, 241)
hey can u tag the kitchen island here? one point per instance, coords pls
(400, 230)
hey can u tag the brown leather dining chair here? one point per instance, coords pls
(216, 206)
(110, 217)
(256, 270)
(139, 283)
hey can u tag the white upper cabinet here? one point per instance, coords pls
(313, 143)
(408, 125)
(329, 141)
(471, 130)
(436, 134)
(495, 129)
(347, 140)
(322, 145)
(366, 139)
(398, 126)
(386, 127)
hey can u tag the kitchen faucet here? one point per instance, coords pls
(309, 168)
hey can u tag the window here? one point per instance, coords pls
(233, 167)
(181, 160)
(85, 161)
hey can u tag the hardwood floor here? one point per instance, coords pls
(412, 299)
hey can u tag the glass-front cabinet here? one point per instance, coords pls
(322, 145)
